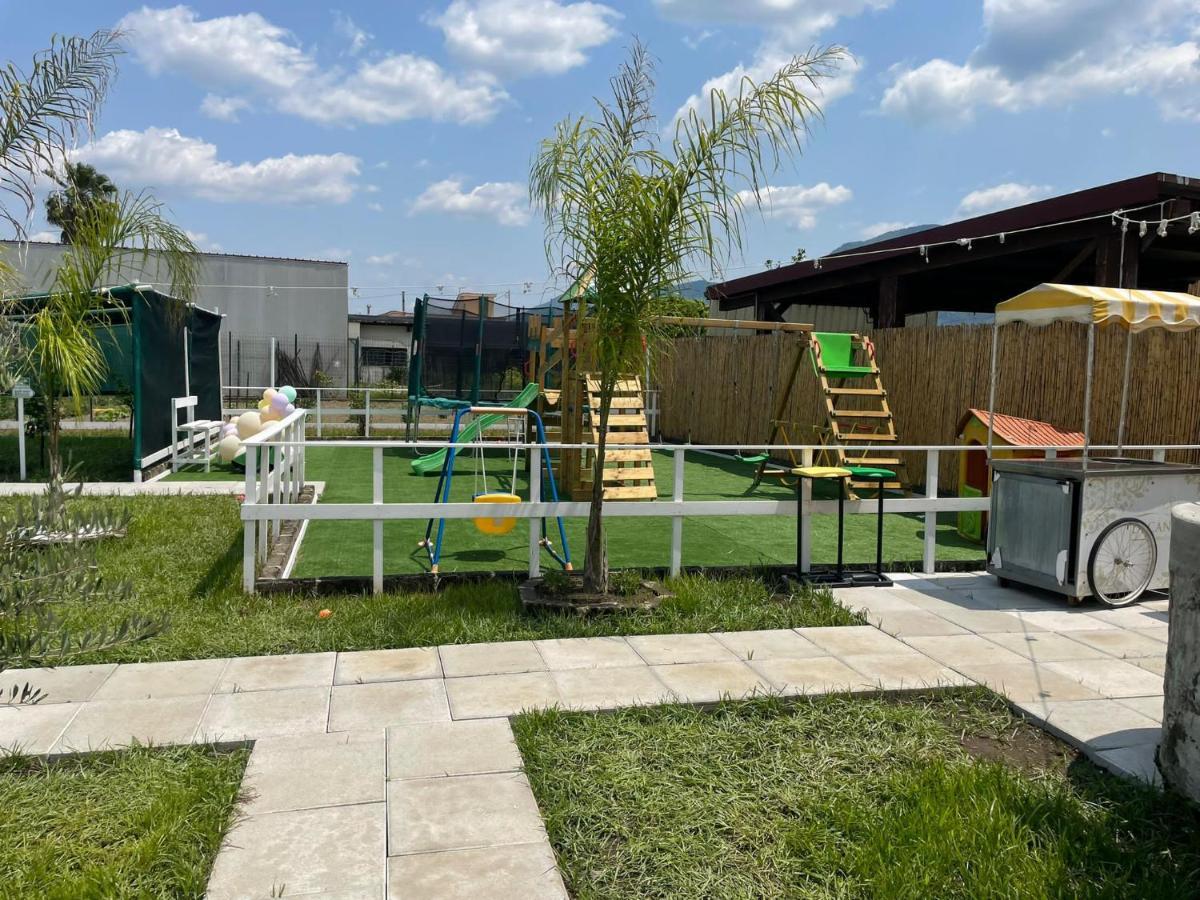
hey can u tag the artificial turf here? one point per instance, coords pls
(845, 797)
(184, 557)
(344, 548)
(139, 823)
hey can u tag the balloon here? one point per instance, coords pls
(288, 391)
(291, 408)
(264, 404)
(279, 402)
(248, 424)
(271, 414)
(228, 447)
(269, 393)
(228, 428)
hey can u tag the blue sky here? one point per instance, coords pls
(400, 138)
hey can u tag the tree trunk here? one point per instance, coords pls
(1179, 751)
(595, 567)
(53, 428)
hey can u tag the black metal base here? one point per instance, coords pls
(831, 578)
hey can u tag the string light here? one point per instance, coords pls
(1194, 223)
(1162, 228)
(1142, 229)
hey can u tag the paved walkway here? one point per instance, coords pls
(394, 772)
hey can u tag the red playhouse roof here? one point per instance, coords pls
(1018, 431)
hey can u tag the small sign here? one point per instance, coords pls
(22, 392)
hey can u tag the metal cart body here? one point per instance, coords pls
(1047, 514)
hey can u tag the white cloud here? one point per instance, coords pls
(249, 54)
(525, 37)
(356, 38)
(200, 239)
(799, 19)
(693, 42)
(878, 228)
(375, 207)
(164, 158)
(1001, 196)
(764, 65)
(1051, 52)
(225, 109)
(47, 237)
(383, 259)
(797, 204)
(504, 201)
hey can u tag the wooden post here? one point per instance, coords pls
(887, 312)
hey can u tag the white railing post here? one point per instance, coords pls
(276, 488)
(806, 459)
(1160, 455)
(318, 412)
(377, 524)
(367, 410)
(262, 493)
(535, 523)
(249, 526)
(677, 520)
(929, 565)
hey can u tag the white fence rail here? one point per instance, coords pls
(278, 453)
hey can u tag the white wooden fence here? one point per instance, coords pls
(275, 475)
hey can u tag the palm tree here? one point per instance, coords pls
(79, 185)
(638, 219)
(43, 112)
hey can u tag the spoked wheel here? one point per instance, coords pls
(1122, 562)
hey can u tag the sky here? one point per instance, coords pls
(398, 137)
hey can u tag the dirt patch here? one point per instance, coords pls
(1027, 748)
(648, 595)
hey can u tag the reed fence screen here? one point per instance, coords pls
(725, 389)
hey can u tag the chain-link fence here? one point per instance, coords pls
(253, 359)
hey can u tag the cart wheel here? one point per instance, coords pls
(1122, 562)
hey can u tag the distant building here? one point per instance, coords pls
(296, 305)
(379, 345)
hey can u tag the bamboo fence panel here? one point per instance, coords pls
(723, 389)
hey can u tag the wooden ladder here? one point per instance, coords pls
(628, 474)
(859, 416)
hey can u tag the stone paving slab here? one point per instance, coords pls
(709, 682)
(1137, 762)
(1102, 724)
(313, 771)
(34, 729)
(669, 649)
(781, 643)
(108, 724)
(587, 653)
(965, 649)
(913, 624)
(379, 704)
(362, 666)
(500, 658)
(64, 684)
(581, 689)
(1047, 646)
(460, 812)
(489, 696)
(890, 672)
(815, 675)
(851, 640)
(274, 673)
(472, 747)
(511, 872)
(1109, 677)
(144, 681)
(255, 714)
(1120, 642)
(332, 851)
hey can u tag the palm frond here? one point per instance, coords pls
(44, 111)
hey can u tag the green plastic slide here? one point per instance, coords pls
(432, 463)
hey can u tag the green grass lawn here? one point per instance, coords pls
(184, 555)
(97, 455)
(845, 797)
(344, 548)
(144, 823)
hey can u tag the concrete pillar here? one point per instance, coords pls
(1179, 752)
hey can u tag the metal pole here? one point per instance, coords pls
(377, 499)
(677, 521)
(992, 378)
(21, 434)
(929, 557)
(1124, 393)
(535, 496)
(1087, 392)
(187, 375)
(272, 379)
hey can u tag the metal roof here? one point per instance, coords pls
(324, 262)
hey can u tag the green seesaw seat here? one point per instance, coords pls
(431, 464)
(837, 355)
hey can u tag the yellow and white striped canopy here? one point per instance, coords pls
(1133, 309)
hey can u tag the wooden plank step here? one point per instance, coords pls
(624, 421)
(623, 437)
(646, 492)
(639, 473)
(856, 392)
(627, 456)
(869, 438)
(867, 485)
(861, 414)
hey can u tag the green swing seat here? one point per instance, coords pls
(837, 355)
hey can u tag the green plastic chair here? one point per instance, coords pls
(837, 355)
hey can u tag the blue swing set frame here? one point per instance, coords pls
(433, 548)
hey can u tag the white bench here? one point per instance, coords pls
(187, 450)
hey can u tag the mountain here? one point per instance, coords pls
(886, 236)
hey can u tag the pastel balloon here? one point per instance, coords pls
(288, 391)
(228, 448)
(291, 408)
(271, 414)
(269, 393)
(248, 424)
(279, 402)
